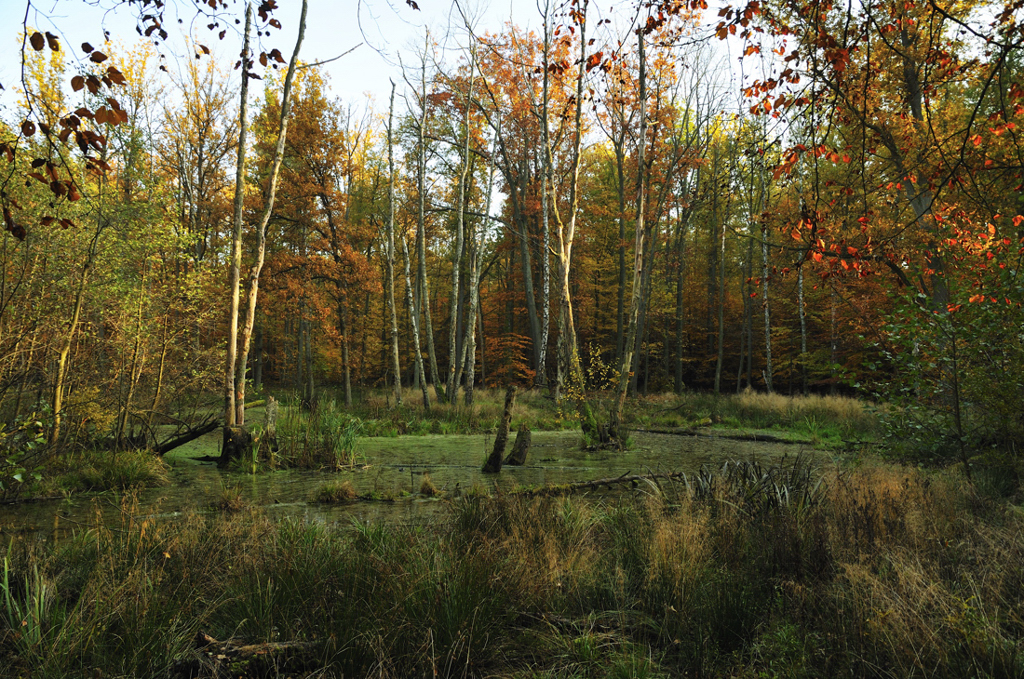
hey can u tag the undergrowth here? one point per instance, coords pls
(749, 571)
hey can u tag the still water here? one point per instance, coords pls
(389, 467)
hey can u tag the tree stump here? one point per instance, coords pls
(237, 444)
(493, 464)
(269, 441)
(521, 448)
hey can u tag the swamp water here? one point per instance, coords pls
(389, 467)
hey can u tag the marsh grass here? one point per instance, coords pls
(889, 572)
(827, 421)
(830, 421)
(324, 438)
(102, 470)
(334, 492)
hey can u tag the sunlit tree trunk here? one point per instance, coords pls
(570, 370)
(421, 378)
(453, 387)
(629, 345)
(261, 230)
(389, 247)
(468, 354)
(541, 378)
(421, 238)
(234, 279)
(64, 354)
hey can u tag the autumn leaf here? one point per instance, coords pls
(37, 41)
(97, 57)
(77, 83)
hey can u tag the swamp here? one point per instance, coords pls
(562, 340)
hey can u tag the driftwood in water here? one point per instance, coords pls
(521, 448)
(493, 464)
(597, 484)
(236, 658)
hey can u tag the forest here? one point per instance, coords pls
(775, 219)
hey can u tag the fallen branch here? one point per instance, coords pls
(597, 484)
(235, 657)
(191, 435)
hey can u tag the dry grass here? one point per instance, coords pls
(891, 572)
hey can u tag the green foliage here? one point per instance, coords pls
(958, 375)
(22, 447)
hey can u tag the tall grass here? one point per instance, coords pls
(822, 417)
(887, 572)
(323, 438)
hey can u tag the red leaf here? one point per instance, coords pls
(86, 47)
(77, 83)
(28, 128)
(37, 41)
(52, 41)
(97, 57)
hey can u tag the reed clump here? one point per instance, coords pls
(746, 571)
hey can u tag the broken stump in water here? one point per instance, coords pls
(268, 442)
(493, 464)
(521, 448)
(237, 444)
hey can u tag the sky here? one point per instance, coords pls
(378, 30)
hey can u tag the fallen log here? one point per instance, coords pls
(191, 435)
(597, 484)
(736, 436)
(237, 658)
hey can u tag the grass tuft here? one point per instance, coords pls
(334, 493)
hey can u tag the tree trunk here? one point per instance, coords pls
(803, 329)
(234, 281)
(389, 246)
(765, 271)
(261, 230)
(521, 448)
(721, 304)
(493, 464)
(453, 387)
(421, 378)
(421, 238)
(570, 371)
(629, 346)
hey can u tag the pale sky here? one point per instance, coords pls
(384, 27)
